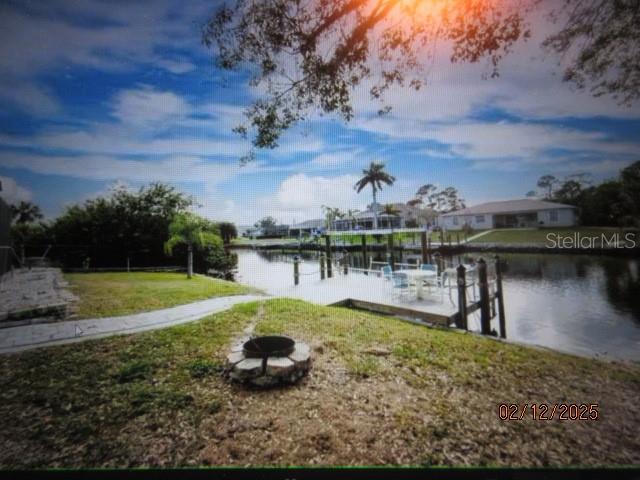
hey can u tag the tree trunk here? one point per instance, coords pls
(189, 261)
(375, 211)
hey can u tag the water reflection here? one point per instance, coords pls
(583, 304)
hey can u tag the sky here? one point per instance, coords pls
(100, 94)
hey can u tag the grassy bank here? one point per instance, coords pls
(540, 236)
(111, 294)
(380, 392)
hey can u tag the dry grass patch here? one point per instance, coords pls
(381, 392)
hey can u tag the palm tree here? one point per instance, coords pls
(375, 176)
(25, 212)
(331, 215)
(351, 216)
(390, 209)
(191, 230)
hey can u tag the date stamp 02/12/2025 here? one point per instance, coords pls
(549, 411)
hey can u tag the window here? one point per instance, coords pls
(455, 220)
(479, 218)
(553, 215)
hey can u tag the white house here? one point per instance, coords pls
(511, 214)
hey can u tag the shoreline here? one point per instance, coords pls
(452, 249)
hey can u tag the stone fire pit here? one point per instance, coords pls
(268, 361)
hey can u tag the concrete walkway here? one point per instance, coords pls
(33, 336)
(477, 235)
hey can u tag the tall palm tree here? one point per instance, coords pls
(351, 216)
(375, 176)
(331, 215)
(191, 230)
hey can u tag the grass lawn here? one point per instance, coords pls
(540, 235)
(111, 294)
(380, 392)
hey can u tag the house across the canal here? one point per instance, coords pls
(511, 214)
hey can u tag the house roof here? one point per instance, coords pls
(509, 206)
(315, 223)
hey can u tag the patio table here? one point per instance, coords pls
(418, 276)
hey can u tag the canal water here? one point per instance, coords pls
(583, 304)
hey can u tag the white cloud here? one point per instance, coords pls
(40, 37)
(147, 107)
(43, 37)
(12, 192)
(516, 142)
(28, 97)
(105, 168)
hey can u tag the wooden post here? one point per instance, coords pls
(345, 262)
(499, 294)
(462, 297)
(429, 248)
(327, 242)
(296, 271)
(321, 266)
(423, 244)
(436, 256)
(390, 251)
(485, 314)
(364, 251)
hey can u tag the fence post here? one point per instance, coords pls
(321, 266)
(499, 294)
(296, 271)
(462, 297)
(327, 242)
(485, 313)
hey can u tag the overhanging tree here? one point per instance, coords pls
(310, 55)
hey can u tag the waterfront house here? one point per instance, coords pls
(524, 213)
(306, 228)
(407, 216)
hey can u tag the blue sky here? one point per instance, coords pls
(96, 94)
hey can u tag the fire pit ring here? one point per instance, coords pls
(268, 361)
(269, 346)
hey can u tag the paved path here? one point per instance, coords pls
(477, 235)
(33, 336)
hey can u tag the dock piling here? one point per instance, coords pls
(500, 297)
(423, 245)
(462, 297)
(296, 270)
(321, 266)
(327, 242)
(364, 250)
(483, 286)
